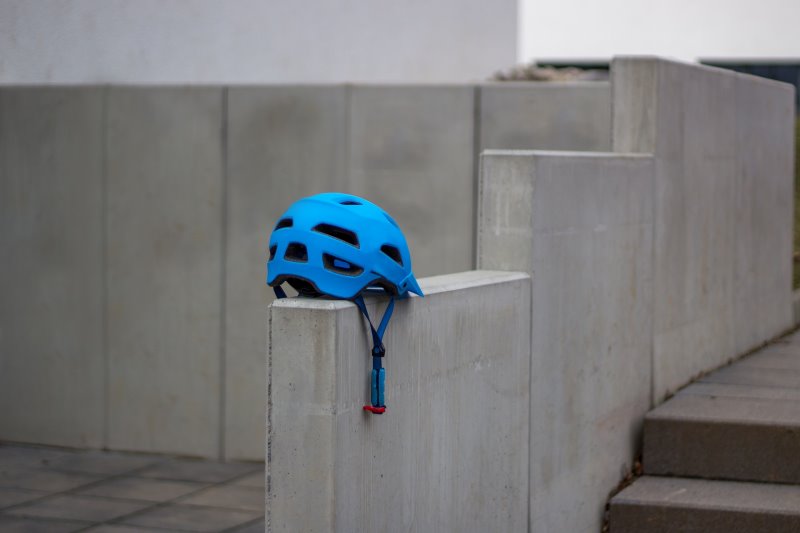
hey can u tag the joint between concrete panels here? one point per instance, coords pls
(223, 288)
(104, 269)
(476, 166)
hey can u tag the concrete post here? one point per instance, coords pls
(451, 452)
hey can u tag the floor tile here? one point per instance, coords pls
(103, 463)
(137, 488)
(198, 471)
(230, 497)
(87, 508)
(10, 497)
(255, 527)
(10, 524)
(116, 528)
(254, 480)
(43, 479)
(12, 457)
(191, 517)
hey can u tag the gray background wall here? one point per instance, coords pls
(141, 216)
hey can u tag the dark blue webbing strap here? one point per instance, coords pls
(378, 351)
(377, 335)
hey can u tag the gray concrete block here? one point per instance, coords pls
(164, 269)
(411, 151)
(283, 143)
(670, 505)
(582, 225)
(723, 437)
(764, 221)
(545, 116)
(741, 391)
(450, 454)
(51, 215)
(773, 357)
(756, 376)
(722, 203)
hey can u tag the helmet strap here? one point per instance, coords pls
(279, 292)
(378, 375)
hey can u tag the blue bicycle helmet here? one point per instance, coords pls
(340, 245)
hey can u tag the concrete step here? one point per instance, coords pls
(679, 505)
(740, 423)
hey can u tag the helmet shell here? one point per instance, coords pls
(339, 245)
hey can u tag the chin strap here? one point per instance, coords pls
(378, 375)
(279, 292)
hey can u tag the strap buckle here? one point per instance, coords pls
(378, 351)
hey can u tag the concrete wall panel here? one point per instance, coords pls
(723, 207)
(764, 209)
(164, 166)
(283, 143)
(51, 322)
(582, 225)
(451, 452)
(545, 116)
(411, 151)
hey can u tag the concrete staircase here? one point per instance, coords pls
(722, 455)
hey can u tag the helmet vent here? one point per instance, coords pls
(393, 253)
(284, 223)
(340, 266)
(296, 252)
(336, 232)
(350, 202)
(272, 250)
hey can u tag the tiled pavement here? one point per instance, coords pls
(53, 490)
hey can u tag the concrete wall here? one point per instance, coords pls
(177, 190)
(723, 146)
(163, 273)
(283, 143)
(647, 269)
(450, 454)
(582, 224)
(568, 116)
(51, 233)
(253, 41)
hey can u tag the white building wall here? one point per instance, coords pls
(681, 29)
(254, 41)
